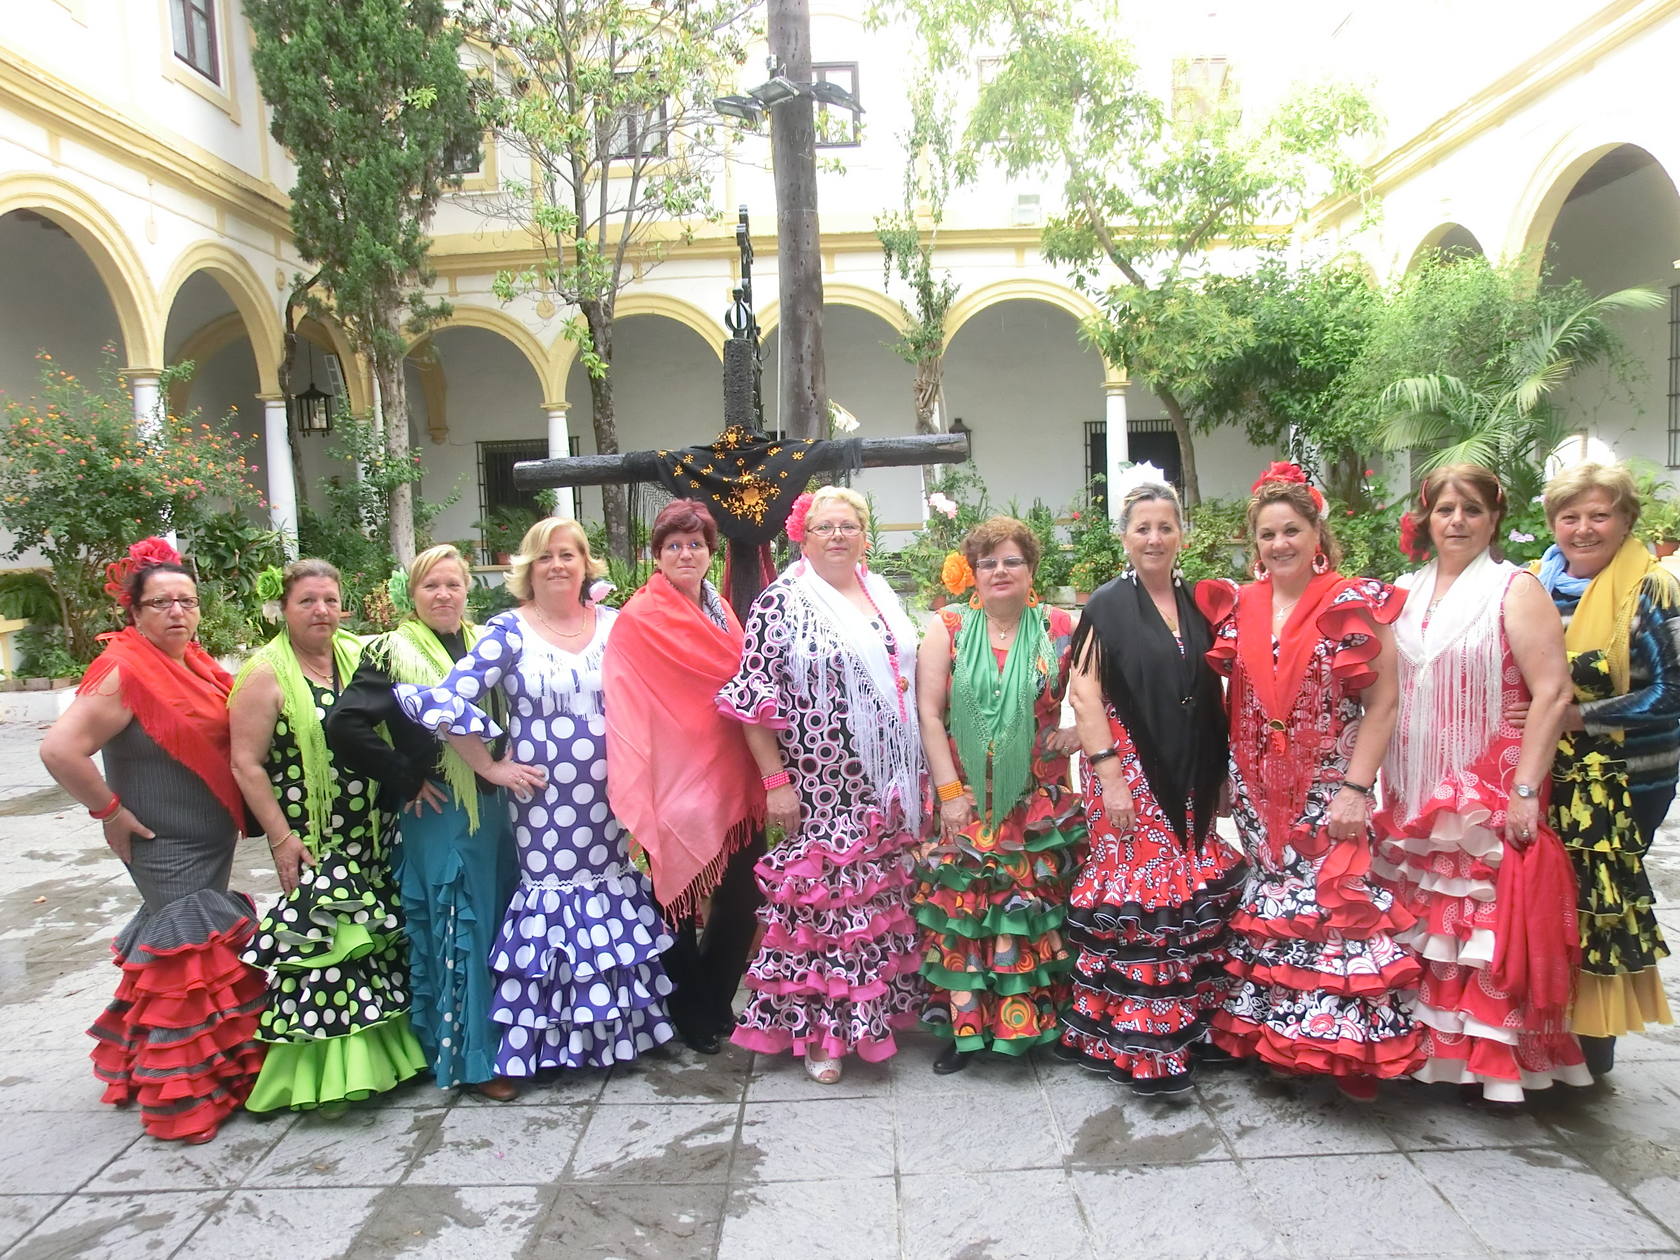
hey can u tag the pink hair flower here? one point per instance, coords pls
(796, 518)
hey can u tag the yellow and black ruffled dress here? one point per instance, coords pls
(1619, 990)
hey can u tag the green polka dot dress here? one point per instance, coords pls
(335, 953)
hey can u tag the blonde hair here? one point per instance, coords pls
(1150, 492)
(536, 541)
(429, 559)
(827, 496)
(1573, 482)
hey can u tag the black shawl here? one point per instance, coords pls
(1169, 701)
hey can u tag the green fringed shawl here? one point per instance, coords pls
(992, 714)
(416, 656)
(297, 706)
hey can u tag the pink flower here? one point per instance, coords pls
(796, 518)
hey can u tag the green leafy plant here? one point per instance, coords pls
(1215, 541)
(44, 652)
(503, 530)
(1098, 553)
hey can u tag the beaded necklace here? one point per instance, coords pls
(891, 642)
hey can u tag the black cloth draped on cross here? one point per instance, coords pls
(750, 480)
(1168, 699)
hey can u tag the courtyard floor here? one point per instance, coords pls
(741, 1157)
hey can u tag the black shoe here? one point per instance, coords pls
(1207, 1054)
(1161, 1086)
(700, 1040)
(952, 1060)
(1600, 1053)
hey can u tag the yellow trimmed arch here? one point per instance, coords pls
(637, 302)
(325, 333)
(202, 345)
(1432, 241)
(1018, 289)
(138, 318)
(1556, 175)
(890, 311)
(256, 308)
(507, 327)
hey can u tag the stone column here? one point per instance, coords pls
(559, 447)
(282, 484)
(143, 384)
(1119, 452)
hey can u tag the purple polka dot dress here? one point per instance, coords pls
(576, 965)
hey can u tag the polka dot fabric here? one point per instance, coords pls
(837, 970)
(578, 982)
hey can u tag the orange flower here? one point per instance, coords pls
(955, 573)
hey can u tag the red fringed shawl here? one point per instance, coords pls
(679, 776)
(181, 705)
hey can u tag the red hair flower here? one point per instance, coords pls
(796, 518)
(1290, 474)
(148, 553)
(1413, 543)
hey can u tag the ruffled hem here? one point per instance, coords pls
(440, 711)
(762, 712)
(305, 1075)
(1029, 921)
(1386, 1059)
(1151, 979)
(1356, 610)
(562, 1000)
(1614, 1006)
(870, 1049)
(1123, 1039)
(1000, 983)
(805, 938)
(179, 1037)
(1207, 910)
(1503, 1071)
(579, 930)
(335, 916)
(1013, 1045)
(529, 1049)
(1096, 1055)
(832, 985)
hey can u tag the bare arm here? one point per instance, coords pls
(1535, 632)
(933, 693)
(1350, 810)
(92, 721)
(251, 721)
(1090, 716)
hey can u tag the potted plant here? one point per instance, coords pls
(502, 531)
(1097, 552)
(1659, 525)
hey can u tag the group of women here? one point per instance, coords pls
(560, 839)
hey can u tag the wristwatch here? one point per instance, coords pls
(1524, 791)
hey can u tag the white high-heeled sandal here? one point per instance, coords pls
(823, 1071)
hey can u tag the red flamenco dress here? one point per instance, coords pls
(1495, 928)
(179, 1037)
(1320, 974)
(991, 901)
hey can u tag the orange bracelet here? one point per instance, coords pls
(948, 792)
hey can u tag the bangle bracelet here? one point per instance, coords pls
(110, 811)
(780, 779)
(1102, 754)
(1356, 787)
(273, 845)
(949, 792)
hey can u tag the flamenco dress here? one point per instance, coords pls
(1321, 974)
(991, 901)
(1447, 780)
(337, 1023)
(179, 1037)
(1619, 989)
(836, 971)
(575, 964)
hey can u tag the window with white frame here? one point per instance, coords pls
(193, 27)
(837, 128)
(637, 129)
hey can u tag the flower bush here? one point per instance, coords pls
(79, 482)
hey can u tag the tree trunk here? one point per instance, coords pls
(802, 410)
(399, 501)
(615, 503)
(1186, 445)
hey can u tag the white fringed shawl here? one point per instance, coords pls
(1450, 678)
(825, 625)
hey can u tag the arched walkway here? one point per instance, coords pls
(257, 308)
(1446, 241)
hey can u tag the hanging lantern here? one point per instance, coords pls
(311, 410)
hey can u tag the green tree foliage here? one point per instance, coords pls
(1150, 189)
(79, 482)
(609, 104)
(372, 104)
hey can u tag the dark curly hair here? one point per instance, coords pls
(1298, 496)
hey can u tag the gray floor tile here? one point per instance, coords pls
(1432, 1118)
(50, 1079)
(1099, 1122)
(519, 1146)
(452, 1222)
(1541, 1200)
(1634, 1102)
(19, 1214)
(781, 1078)
(632, 1223)
(57, 1152)
(117, 1227)
(1357, 1205)
(296, 1224)
(947, 1133)
(833, 1219)
(558, 1089)
(1168, 1211)
(799, 1141)
(1001, 1216)
(669, 1143)
(1260, 1116)
(220, 1164)
(357, 1148)
(1646, 1172)
(683, 1077)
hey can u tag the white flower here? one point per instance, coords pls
(840, 419)
(1136, 475)
(1516, 535)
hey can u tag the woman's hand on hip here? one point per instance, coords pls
(121, 830)
(522, 780)
(429, 794)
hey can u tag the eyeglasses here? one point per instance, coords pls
(846, 529)
(162, 603)
(990, 563)
(676, 548)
